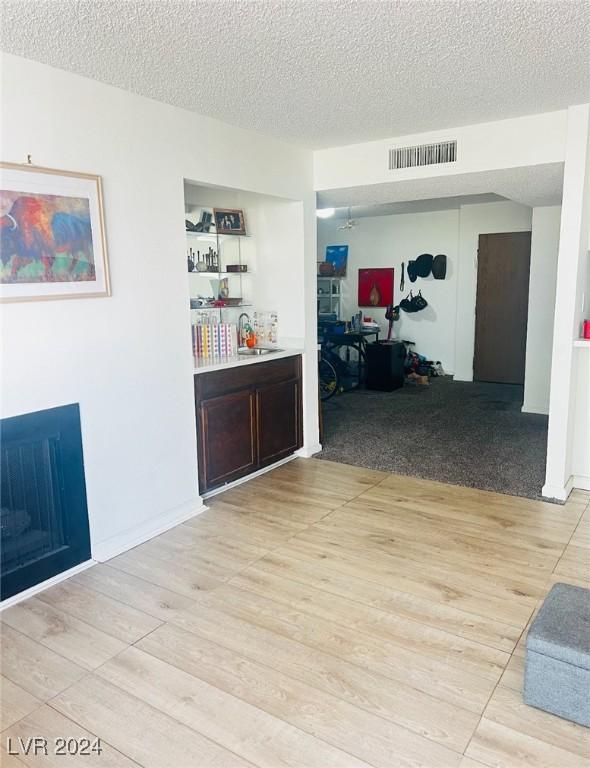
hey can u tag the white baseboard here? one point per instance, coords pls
(251, 476)
(132, 537)
(557, 491)
(45, 584)
(582, 482)
(309, 450)
(541, 409)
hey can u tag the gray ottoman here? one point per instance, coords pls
(557, 664)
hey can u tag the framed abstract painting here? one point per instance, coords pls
(337, 255)
(375, 287)
(52, 235)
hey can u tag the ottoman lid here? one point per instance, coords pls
(561, 629)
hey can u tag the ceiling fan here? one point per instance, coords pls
(350, 223)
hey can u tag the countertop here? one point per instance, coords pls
(221, 363)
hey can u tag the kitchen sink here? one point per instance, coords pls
(256, 350)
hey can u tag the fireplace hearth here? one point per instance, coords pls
(43, 510)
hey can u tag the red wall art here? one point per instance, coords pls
(375, 287)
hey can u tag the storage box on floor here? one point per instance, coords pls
(385, 365)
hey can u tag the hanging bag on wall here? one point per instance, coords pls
(439, 266)
(406, 304)
(419, 302)
(421, 267)
(412, 304)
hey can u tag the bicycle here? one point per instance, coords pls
(332, 373)
(327, 378)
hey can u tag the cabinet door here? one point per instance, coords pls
(227, 438)
(279, 420)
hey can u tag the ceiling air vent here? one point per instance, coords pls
(423, 154)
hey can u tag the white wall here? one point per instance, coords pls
(278, 284)
(581, 438)
(387, 241)
(530, 140)
(127, 359)
(543, 277)
(476, 220)
(565, 452)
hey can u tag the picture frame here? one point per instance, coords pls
(375, 288)
(229, 221)
(53, 239)
(337, 255)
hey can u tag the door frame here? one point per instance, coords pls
(525, 232)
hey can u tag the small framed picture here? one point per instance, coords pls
(337, 255)
(229, 221)
(53, 241)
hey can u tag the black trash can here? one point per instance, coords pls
(385, 365)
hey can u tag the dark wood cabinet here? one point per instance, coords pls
(277, 409)
(228, 437)
(247, 418)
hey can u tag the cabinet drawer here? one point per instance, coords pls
(247, 377)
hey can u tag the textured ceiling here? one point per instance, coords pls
(530, 185)
(414, 206)
(321, 72)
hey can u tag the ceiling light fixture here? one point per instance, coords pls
(325, 213)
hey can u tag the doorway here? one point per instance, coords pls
(438, 427)
(502, 299)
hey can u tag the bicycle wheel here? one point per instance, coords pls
(327, 378)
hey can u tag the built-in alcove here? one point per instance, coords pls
(271, 253)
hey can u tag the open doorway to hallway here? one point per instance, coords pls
(483, 423)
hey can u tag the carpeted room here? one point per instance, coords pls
(469, 427)
(465, 433)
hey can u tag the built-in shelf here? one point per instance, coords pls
(226, 250)
(214, 235)
(328, 294)
(582, 343)
(228, 306)
(220, 274)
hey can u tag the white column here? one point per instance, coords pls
(539, 338)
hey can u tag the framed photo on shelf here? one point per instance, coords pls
(229, 221)
(52, 230)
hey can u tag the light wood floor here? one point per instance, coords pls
(320, 616)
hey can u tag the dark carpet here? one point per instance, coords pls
(464, 433)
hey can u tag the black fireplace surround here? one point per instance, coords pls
(44, 515)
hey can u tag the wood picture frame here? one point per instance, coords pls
(53, 239)
(229, 221)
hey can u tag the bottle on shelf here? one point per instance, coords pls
(210, 253)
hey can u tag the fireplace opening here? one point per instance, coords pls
(43, 511)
